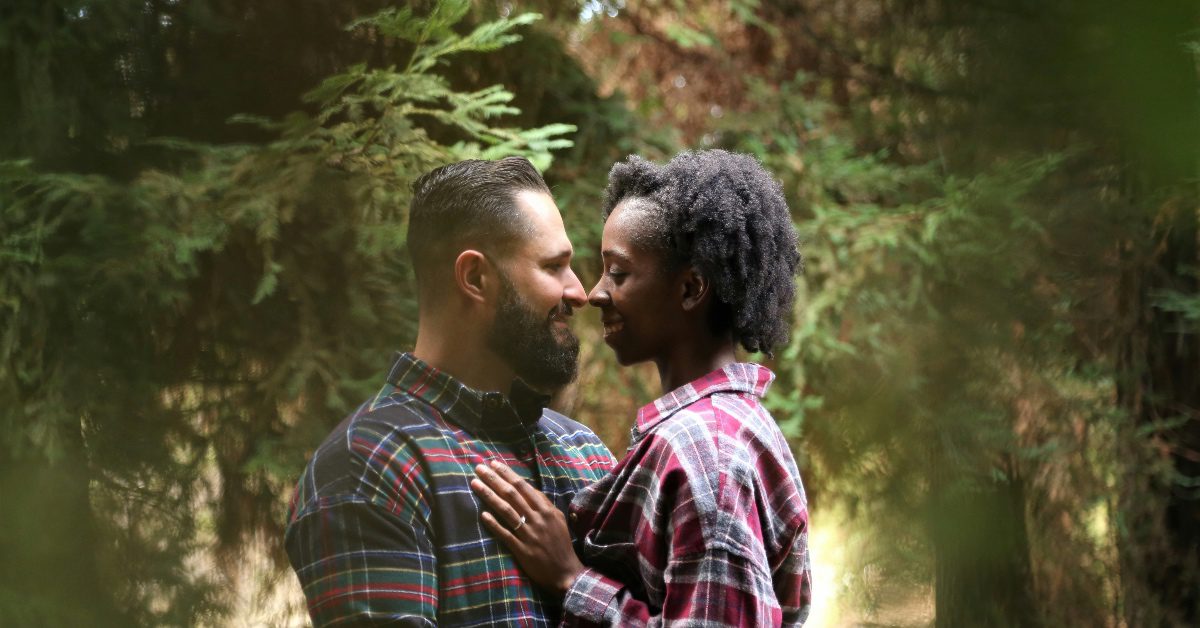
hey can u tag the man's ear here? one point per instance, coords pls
(474, 275)
(696, 289)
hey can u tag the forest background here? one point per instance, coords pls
(991, 388)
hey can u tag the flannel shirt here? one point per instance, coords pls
(703, 523)
(384, 527)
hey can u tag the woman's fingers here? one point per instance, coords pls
(501, 532)
(533, 497)
(505, 489)
(508, 515)
(541, 542)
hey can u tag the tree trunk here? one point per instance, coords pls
(982, 556)
(1159, 354)
(1160, 497)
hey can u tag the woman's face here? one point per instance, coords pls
(637, 297)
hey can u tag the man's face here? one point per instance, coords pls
(538, 294)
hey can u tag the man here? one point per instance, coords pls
(384, 527)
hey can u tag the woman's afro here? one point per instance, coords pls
(724, 214)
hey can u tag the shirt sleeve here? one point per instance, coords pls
(793, 578)
(714, 574)
(364, 556)
(714, 588)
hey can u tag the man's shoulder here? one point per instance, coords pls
(381, 418)
(564, 426)
(580, 441)
(396, 412)
(358, 451)
(385, 422)
(568, 430)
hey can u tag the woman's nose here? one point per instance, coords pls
(599, 297)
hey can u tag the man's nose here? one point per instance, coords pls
(573, 293)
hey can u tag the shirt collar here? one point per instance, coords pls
(462, 404)
(739, 377)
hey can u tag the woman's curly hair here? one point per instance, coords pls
(724, 214)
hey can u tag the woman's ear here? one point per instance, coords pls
(696, 289)
(473, 275)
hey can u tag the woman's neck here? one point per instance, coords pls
(690, 361)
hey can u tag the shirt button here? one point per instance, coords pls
(573, 517)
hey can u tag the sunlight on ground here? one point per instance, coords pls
(845, 596)
(827, 551)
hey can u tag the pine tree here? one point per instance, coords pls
(171, 345)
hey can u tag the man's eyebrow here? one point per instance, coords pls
(561, 254)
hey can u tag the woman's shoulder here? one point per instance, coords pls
(696, 441)
(718, 438)
(722, 414)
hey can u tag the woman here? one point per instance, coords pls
(705, 520)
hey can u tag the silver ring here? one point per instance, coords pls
(518, 526)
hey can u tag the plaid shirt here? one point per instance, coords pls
(704, 523)
(384, 527)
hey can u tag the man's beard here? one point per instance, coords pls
(527, 341)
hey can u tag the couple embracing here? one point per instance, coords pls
(454, 498)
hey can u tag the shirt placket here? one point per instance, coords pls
(498, 409)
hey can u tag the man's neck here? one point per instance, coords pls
(464, 357)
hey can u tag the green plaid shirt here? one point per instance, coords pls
(384, 527)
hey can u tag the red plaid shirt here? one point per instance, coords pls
(704, 522)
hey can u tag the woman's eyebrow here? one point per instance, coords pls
(615, 253)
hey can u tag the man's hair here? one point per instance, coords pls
(468, 204)
(725, 215)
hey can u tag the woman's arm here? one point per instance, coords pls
(705, 580)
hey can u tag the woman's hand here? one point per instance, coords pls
(530, 525)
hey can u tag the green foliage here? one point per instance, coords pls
(1186, 305)
(191, 333)
(990, 353)
(927, 340)
(689, 37)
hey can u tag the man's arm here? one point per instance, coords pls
(360, 565)
(364, 554)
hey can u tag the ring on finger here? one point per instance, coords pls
(519, 524)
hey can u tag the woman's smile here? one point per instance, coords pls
(611, 327)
